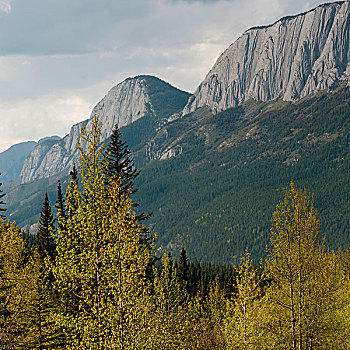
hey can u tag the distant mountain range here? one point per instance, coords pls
(275, 107)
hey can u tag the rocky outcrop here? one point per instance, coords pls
(289, 59)
(125, 103)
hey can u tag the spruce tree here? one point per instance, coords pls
(2, 195)
(41, 331)
(45, 240)
(120, 165)
(183, 270)
(61, 213)
(74, 174)
(120, 162)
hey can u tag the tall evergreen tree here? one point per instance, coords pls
(74, 174)
(120, 162)
(2, 195)
(183, 270)
(120, 165)
(60, 206)
(40, 302)
(45, 240)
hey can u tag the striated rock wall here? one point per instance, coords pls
(123, 104)
(289, 59)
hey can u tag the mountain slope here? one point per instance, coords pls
(213, 177)
(12, 160)
(292, 58)
(132, 100)
(217, 197)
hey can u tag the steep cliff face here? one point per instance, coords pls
(125, 103)
(289, 59)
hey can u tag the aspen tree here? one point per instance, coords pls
(100, 264)
(305, 278)
(12, 251)
(245, 316)
(213, 312)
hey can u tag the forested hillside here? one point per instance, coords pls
(93, 279)
(216, 198)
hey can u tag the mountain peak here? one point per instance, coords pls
(289, 59)
(132, 99)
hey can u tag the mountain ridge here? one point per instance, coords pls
(131, 100)
(260, 66)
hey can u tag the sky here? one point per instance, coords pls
(58, 58)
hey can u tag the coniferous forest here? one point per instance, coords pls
(93, 279)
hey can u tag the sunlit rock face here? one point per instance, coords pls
(292, 58)
(123, 104)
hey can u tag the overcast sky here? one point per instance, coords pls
(58, 58)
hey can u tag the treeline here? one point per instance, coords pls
(95, 281)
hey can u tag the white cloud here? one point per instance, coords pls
(5, 6)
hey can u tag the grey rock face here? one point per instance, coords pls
(289, 59)
(123, 104)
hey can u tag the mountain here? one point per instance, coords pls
(290, 59)
(217, 197)
(131, 100)
(12, 160)
(57, 138)
(274, 108)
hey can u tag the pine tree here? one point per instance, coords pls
(172, 311)
(2, 195)
(120, 165)
(41, 331)
(74, 174)
(61, 212)
(183, 270)
(120, 162)
(45, 240)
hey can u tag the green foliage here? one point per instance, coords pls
(245, 321)
(100, 267)
(2, 209)
(39, 303)
(45, 237)
(306, 279)
(120, 164)
(12, 252)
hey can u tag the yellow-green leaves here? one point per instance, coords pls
(245, 324)
(100, 268)
(11, 293)
(305, 277)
